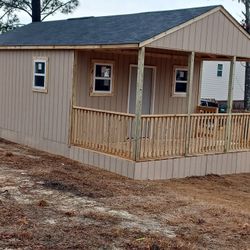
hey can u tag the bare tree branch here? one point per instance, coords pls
(5, 14)
(15, 5)
(46, 5)
(55, 10)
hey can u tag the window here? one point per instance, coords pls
(180, 81)
(102, 78)
(219, 70)
(40, 75)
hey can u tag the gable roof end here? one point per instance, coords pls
(218, 8)
(215, 32)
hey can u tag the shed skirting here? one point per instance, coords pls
(104, 161)
(219, 164)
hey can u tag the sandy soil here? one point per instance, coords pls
(49, 202)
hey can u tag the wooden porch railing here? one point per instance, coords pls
(108, 132)
(162, 136)
(240, 132)
(166, 136)
(207, 133)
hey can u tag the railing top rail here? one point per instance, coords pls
(247, 113)
(104, 111)
(158, 115)
(183, 115)
(220, 114)
(209, 114)
(164, 115)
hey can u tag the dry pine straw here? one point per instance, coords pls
(207, 212)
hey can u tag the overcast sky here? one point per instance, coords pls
(114, 7)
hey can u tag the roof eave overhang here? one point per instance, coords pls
(70, 47)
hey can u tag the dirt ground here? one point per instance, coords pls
(49, 202)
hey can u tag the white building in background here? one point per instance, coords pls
(215, 78)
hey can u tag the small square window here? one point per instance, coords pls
(180, 81)
(102, 79)
(40, 72)
(102, 85)
(181, 75)
(103, 71)
(40, 67)
(219, 70)
(180, 87)
(39, 81)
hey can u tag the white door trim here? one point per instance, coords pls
(152, 104)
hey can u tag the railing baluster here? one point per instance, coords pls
(245, 132)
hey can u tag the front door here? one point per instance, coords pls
(147, 90)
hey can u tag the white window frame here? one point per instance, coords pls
(94, 78)
(174, 93)
(45, 74)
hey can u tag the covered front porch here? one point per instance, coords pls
(150, 135)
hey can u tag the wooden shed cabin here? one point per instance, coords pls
(122, 92)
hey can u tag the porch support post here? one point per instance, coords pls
(74, 83)
(73, 101)
(138, 104)
(191, 59)
(230, 103)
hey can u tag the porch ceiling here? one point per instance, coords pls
(158, 52)
(161, 53)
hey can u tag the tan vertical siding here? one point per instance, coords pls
(30, 117)
(164, 101)
(107, 162)
(221, 164)
(214, 34)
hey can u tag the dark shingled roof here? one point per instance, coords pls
(108, 30)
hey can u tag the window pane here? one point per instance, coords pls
(102, 85)
(220, 66)
(181, 87)
(219, 73)
(181, 75)
(103, 71)
(40, 67)
(39, 81)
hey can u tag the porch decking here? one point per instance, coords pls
(162, 136)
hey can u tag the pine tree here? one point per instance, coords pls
(9, 10)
